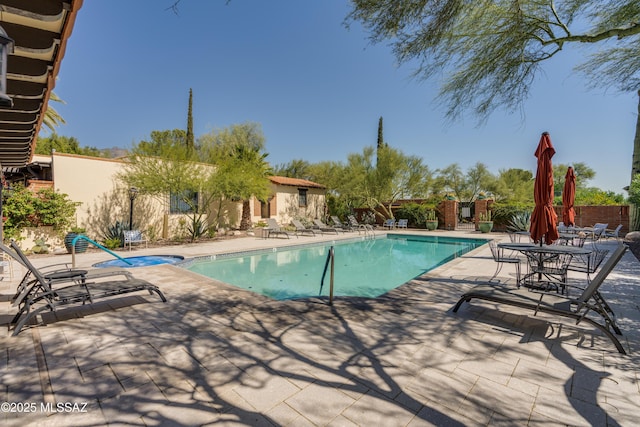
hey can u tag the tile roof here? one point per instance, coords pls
(295, 182)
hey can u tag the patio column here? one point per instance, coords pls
(449, 211)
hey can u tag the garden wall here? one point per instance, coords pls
(586, 216)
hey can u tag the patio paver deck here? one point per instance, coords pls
(215, 354)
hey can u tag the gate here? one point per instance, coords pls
(466, 216)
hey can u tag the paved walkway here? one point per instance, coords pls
(215, 354)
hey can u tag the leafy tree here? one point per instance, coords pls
(582, 172)
(395, 176)
(479, 179)
(296, 168)
(222, 142)
(596, 196)
(166, 143)
(490, 51)
(514, 186)
(465, 187)
(170, 170)
(66, 144)
(452, 180)
(242, 169)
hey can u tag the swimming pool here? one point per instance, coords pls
(363, 268)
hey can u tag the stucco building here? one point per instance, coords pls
(103, 198)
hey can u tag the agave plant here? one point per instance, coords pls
(197, 228)
(115, 232)
(520, 221)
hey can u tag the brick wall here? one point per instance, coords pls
(586, 216)
(37, 185)
(448, 215)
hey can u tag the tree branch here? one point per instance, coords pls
(630, 30)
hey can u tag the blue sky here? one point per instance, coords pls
(316, 87)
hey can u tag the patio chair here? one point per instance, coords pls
(500, 258)
(547, 270)
(324, 228)
(589, 302)
(55, 274)
(598, 231)
(389, 223)
(402, 223)
(588, 263)
(275, 229)
(340, 225)
(134, 236)
(48, 292)
(301, 228)
(6, 265)
(612, 233)
(353, 222)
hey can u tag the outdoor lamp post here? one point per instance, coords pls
(133, 193)
(6, 47)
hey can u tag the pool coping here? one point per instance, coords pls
(213, 257)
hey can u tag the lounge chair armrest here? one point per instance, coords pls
(65, 274)
(55, 267)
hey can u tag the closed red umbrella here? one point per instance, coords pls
(544, 219)
(568, 198)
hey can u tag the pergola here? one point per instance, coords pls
(39, 30)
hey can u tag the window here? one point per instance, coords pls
(302, 197)
(178, 205)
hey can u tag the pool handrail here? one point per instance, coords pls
(330, 258)
(94, 243)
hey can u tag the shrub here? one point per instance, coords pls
(112, 243)
(24, 208)
(416, 213)
(520, 221)
(503, 213)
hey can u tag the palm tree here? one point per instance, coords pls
(52, 118)
(250, 167)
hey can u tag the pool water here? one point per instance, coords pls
(141, 261)
(363, 268)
